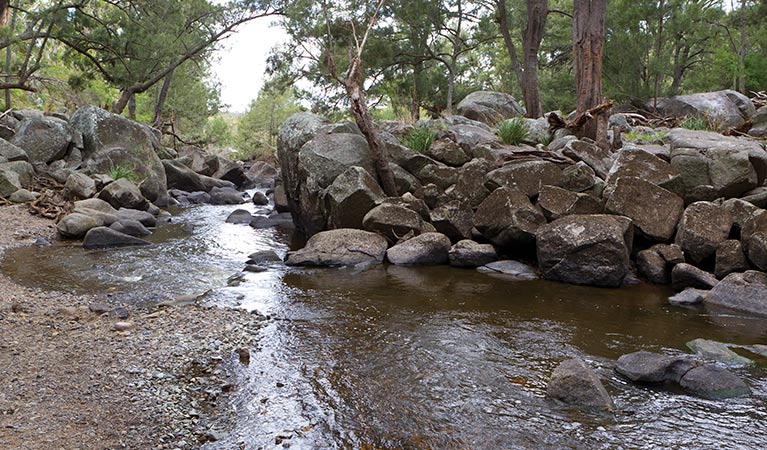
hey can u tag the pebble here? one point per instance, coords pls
(122, 326)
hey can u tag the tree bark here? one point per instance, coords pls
(161, 97)
(8, 52)
(132, 107)
(658, 51)
(588, 42)
(742, 52)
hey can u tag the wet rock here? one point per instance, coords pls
(714, 383)
(392, 221)
(453, 220)
(575, 383)
(718, 352)
(741, 291)
(103, 237)
(131, 228)
(79, 186)
(123, 193)
(489, 107)
(656, 263)
(599, 159)
(210, 183)
(144, 217)
(448, 152)
(689, 296)
(586, 249)
(512, 269)
(280, 199)
(507, 218)
(182, 177)
(526, 176)
(239, 216)
(468, 253)
(253, 268)
(198, 198)
(264, 257)
(260, 199)
(76, 225)
(730, 258)
(685, 275)
(342, 247)
(646, 367)
(557, 202)
(427, 249)
(703, 227)
(11, 152)
(23, 196)
(234, 173)
(274, 220)
(653, 210)
(263, 173)
(43, 139)
(226, 196)
(351, 196)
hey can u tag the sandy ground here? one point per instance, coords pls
(70, 380)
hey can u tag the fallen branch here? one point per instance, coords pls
(556, 122)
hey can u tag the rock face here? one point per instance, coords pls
(342, 247)
(110, 140)
(507, 218)
(427, 249)
(526, 176)
(722, 109)
(181, 177)
(745, 292)
(718, 352)
(352, 195)
(392, 221)
(687, 276)
(654, 210)
(468, 253)
(103, 237)
(123, 194)
(453, 220)
(44, 139)
(489, 107)
(79, 186)
(703, 227)
(632, 161)
(600, 160)
(574, 383)
(586, 249)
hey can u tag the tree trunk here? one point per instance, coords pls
(132, 107)
(364, 121)
(8, 53)
(122, 102)
(588, 41)
(161, 97)
(537, 12)
(4, 7)
(742, 52)
(450, 88)
(658, 51)
(502, 17)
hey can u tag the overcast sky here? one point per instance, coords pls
(242, 62)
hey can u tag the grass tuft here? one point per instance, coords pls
(514, 131)
(419, 139)
(126, 172)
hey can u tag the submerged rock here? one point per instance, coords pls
(718, 352)
(685, 275)
(689, 296)
(741, 291)
(511, 269)
(239, 216)
(103, 237)
(574, 383)
(341, 247)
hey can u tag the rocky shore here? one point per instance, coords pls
(95, 372)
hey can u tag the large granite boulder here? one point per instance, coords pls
(11, 152)
(656, 262)
(507, 218)
(44, 139)
(328, 155)
(469, 186)
(111, 141)
(745, 292)
(103, 237)
(341, 247)
(759, 121)
(525, 176)
(730, 258)
(79, 186)
(468, 253)
(634, 162)
(600, 160)
(448, 152)
(702, 228)
(123, 193)
(654, 210)
(352, 195)
(427, 249)
(453, 219)
(75, 225)
(557, 202)
(586, 249)
(9, 182)
(721, 109)
(489, 107)
(182, 177)
(24, 170)
(393, 221)
(575, 383)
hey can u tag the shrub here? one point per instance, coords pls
(126, 172)
(513, 131)
(419, 139)
(695, 123)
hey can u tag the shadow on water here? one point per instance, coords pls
(421, 358)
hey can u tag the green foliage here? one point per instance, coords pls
(218, 132)
(513, 131)
(645, 137)
(419, 139)
(257, 129)
(696, 123)
(126, 172)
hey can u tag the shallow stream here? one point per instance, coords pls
(420, 358)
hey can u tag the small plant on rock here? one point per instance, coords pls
(419, 139)
(121, 171)
(695, 123)
(514, 131)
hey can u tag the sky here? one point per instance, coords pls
(242, 62)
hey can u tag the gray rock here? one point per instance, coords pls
(239, 216)
(182, 177)
(234, 173)
(586, 249)
(645, 367)
(574, 383)
(689, 296)
(702, 228)
(557, 202)
(103, 237)
(453, 220)
(600, 160)
(405, 181)
(409, 201)
(722, 109)
(653, 210)
(632, 161)
(745, 292)
(260, 199)
(713, 382)
(489, 107)
(448, 152)
(427, 249)
(351, 196)
(96, 204)
(123, 193)
(740, 211)
(264, 257)
(131, 228)
(507, 218)
(11, 152)
(759, 123)
(684, 275)
(538, 131)
(283, 220)
(578, 177)
(469, 185)
(210, 183)
(9, 182)
(439, 174)
(79, 186)
(730, 258)
(526, 176)
(327, 156)
(718, 352)
(471, 138)
(226, 196)
(656, 263)
(23, 169)
(342, 247)
(280, 199)
(392, 221)
(76, 225)
(43, 139)
(103, 218)
(511, 269)
(468, 253)
(23, 196)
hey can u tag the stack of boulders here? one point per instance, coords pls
(684, 207)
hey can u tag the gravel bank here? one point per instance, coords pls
(71, 380)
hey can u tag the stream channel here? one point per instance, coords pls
(421, 358)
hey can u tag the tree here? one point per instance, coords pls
(588, 42)
(258, 127)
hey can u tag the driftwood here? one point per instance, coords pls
(523, 155)
(556, 122)
(741, 130)
(51, 203)
(759, 99)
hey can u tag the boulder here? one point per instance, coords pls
(439, 174)
(702, 228)
(393, 221)
(471, 138)
(296, 131)
(600, 160)
(79, 186)
(110, 141)
(341, 247)
(469, 185)
(718, 352)
(43, 139)
(507, 218)
(131, 228)
(427, 249)
(182, 177)
(284, 220)
(280, 199)
(95, 204)
(538, 131)
(239, 216)
(263, 173)
(260, 199)
(684, 275)
(352, 195)
(656, 262)
(327, 156)
(489, 107)
(9, 182)
(232, 172)
(123, 193)
(730, 258)
(745, 292)
(586, 249)
(11, 152)
(226, 196)
(526, 176)
(23, 196)
(714, 383)
(689, 296)
(23, 169)
(646, 367)
(510, 269)
(410, 202)
(143, 217)
(103, 237)
(653, 210)
(210, 183)
(575, 383)
(557, 202)
(740, 211)
(75, 225)
(721, 109)
(453, 219)
(448, 152)
(405, 181)
(578, 177)
(759, 123)
(468, 253)
(632, 161)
